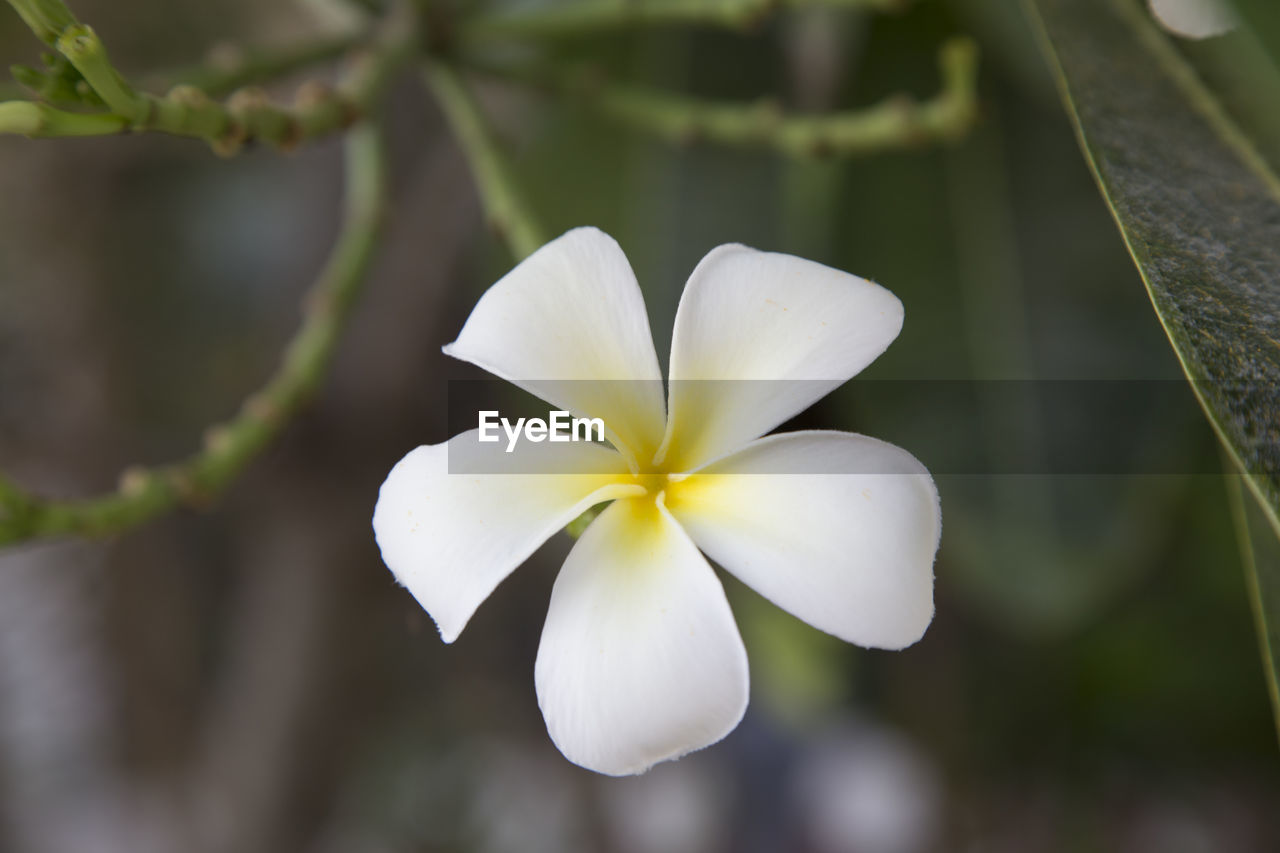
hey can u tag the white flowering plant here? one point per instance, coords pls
(640, 660)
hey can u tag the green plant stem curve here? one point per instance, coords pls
(591, 17)
(892, 124)
(504, 205)
(228, 448)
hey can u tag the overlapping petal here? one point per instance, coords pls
(451, 534)
(759, 337)
(835, 528)
(568, 324)
(640, 659)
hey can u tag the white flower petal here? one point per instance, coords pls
(640, 659)
(568, 324)
(835, 528)
(451, 538)
(1196, 19)
(759, 337)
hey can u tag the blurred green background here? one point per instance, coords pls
(251, 679)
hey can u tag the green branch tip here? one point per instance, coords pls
(21, 117)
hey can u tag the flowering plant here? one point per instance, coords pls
(640, 660)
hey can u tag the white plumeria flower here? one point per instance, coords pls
(640, 660)
(1195, 19)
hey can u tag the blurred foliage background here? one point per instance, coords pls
(250, 678)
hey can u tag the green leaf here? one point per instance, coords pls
(1199, 209)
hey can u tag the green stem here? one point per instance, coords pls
(228, 448)
(891, 124)
(589, 17)
(248, 115)
(507, 211)
(237, 67)
(245, 66)
(39, 120)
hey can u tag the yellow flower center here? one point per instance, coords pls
(653, 482)
(658, 485)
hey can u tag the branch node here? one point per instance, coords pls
(262, 409)
(135, 481)
(230, 143)
(292, 135)
(186, 489)
(243, 102)
(314, 93)
(217, 439)
(188, 96)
